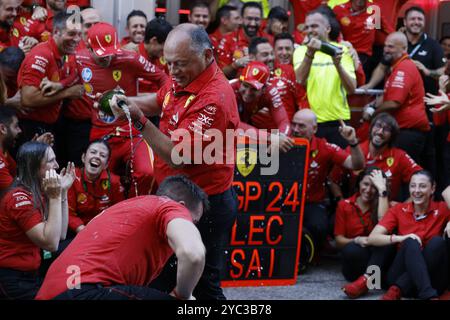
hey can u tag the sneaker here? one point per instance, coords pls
(356, 288)
(393, 293)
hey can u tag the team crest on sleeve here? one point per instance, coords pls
(108, 38)
(117, 75)
(86, 74)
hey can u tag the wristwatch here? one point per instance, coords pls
(383, 194)
(140, 124)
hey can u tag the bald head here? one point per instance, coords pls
(304, 124)
(399, 39)
(188, 51)
(395, 47)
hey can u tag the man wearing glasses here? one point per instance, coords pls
(232, 52)
(379, 151)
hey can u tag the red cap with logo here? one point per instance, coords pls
(256, 74)
(102, 38)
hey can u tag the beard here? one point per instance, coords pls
(250, 33)
(388, 58)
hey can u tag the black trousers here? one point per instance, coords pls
(420, 273)
(356, 259)
(413, 142)
(316, 221)
(114, 292)
(215, 227)
(19, 285)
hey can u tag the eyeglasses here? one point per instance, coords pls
(384, 127)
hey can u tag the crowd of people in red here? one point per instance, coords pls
(122, 209)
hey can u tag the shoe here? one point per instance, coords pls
(393, 293)
(356, 288)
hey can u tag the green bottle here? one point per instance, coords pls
(104, 101)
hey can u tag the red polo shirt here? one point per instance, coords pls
(44, 60)
(87, 199)
(233, 46)
(126, 244)
(208, 102)
(405, 86)
(7, 170)
(17, 216)
(123, 72)
(395, 163)
(26, 26)
(270, 100)
(351, 222)
(146, 86)
(323, 155)
(216, 37)
(401, 218)
(355, 27)
(80, 3)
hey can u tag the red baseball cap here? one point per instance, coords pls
(102, 38)
(256, 74)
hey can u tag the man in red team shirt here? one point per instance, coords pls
(253, 93)
(379, 151)
(9, 130)
(199, 99)
(8, 14)
(282, 77)
(45, 78)
(136, 22)
(229, 20)
(120, 265)
(232, 52)
(151, 49)
(103, 67)
(403, 97)
(323, 156)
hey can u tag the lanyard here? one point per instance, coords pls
(417, 47)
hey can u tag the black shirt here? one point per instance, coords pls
(429, 52)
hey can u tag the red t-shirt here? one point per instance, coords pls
(323, 155)
(270, 100)
(395, 163)
(234, 45)
(356, 27)
(87, 199)
(215, 38)
(44, 60)
(18, 216)
(80, 3)
(351, 222)
(7, 170)
(127, 244)
(122, 73)
(405, 86)
(208, 102)
(401, 218)
(33, 28)
(145, 86)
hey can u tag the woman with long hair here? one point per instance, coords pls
(420, 267)
(355, 219)
(33, 216)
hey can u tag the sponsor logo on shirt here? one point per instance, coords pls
(86, 74)
(422, 53)
(23, 203)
